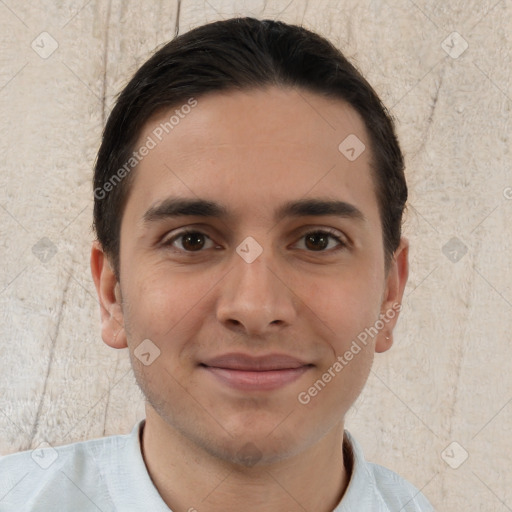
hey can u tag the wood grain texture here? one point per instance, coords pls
(447, 378)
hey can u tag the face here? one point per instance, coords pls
(252, 295)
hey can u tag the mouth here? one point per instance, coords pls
(249, 373)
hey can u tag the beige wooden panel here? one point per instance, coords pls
(447, 379)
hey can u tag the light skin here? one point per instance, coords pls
(208, 445)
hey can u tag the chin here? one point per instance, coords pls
(258, 443)
(255, 453)
(250, 438)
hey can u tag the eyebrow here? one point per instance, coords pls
(180, 207)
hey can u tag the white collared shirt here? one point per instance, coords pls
(109, 475)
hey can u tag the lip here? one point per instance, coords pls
(251, 373)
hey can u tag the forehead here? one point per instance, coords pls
(255, 148)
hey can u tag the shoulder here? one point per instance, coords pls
(378, 488)
(48, 478)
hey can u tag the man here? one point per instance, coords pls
(249, 192)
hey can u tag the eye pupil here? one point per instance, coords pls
(314, 238)
(193, 241)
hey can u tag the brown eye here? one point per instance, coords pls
(191, 241)
(317, 241)
(321, 241)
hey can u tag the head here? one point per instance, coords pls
(249, 119)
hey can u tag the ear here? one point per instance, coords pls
(109, 295)
(396, 280)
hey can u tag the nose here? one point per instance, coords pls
(255, 298)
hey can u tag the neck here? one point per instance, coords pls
(191, 480)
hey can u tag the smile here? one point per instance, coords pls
(248, 373)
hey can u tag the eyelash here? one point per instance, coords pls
(332, 234)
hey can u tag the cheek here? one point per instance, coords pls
(346, 304)
(336, 387)
(166, 306)
(154, 304)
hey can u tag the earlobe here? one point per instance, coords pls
(383, 343)
(109, 297)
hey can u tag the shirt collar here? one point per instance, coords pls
(131, 486)
(361, 492)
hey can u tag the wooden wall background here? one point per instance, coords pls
(448, 378)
